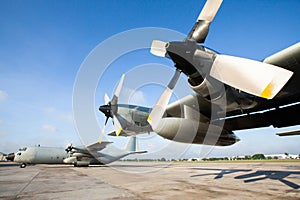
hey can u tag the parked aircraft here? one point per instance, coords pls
(95, 154)
(127, 119)
(231, 93)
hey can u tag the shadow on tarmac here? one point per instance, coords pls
(274, 175)
(253, 176)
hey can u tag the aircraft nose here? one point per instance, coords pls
(105, 109)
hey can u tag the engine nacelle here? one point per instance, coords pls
(209, 88)
(192, 131)
(82, 163)
(70, 160)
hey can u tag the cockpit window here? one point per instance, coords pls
(23, 149)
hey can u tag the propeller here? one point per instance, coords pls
(101, 134)
(111, 108)
(106, 99)
(206, 16)
(158, 48)
(257, 78)
(106, 109)
(69, 148)
(161, 105)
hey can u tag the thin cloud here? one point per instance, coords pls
(2, 133)
(133, 96)
(50, 110)
(67, 117)
(49, 128)
(3, 95)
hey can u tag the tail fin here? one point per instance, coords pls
(132, 144)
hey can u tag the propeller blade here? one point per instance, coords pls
(106, 99)
(117, 125)
(257, 78)
(106, 120)
(159, 109)
(210, 10)
(114, 100)
(101, 134)
(206, 16)
(158, 48)
(110, 109)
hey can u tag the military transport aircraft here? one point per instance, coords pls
(127, 119)
(231, 93)
(95, 154)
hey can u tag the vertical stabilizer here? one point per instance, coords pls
(132, 144)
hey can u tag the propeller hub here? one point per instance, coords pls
(69, 148)
(106, 110)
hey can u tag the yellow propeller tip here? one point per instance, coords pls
(118, 132)
(267, 93)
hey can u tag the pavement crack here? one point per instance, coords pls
(26, 185)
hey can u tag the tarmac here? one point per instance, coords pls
(153, 180)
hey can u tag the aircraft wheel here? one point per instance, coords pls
(23, 165)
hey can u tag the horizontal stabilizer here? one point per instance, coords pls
(138, 152)
(289, 133)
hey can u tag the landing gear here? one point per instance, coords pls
(23, 165)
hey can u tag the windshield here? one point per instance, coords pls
(23, 149)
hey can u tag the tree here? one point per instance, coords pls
(247, 157)
(269, 157)
(258, 157)
(163, 159)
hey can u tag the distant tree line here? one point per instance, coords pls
(248, 157)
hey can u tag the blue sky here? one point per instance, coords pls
(44, 43)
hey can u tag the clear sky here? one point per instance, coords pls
(43, 44)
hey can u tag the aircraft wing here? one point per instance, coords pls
(98, 146)
(91, 148)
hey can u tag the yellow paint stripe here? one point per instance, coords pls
(267, 93)
(149, 118)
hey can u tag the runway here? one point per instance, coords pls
(153, 180)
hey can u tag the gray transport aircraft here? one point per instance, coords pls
(231, 93)
(95, 154)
